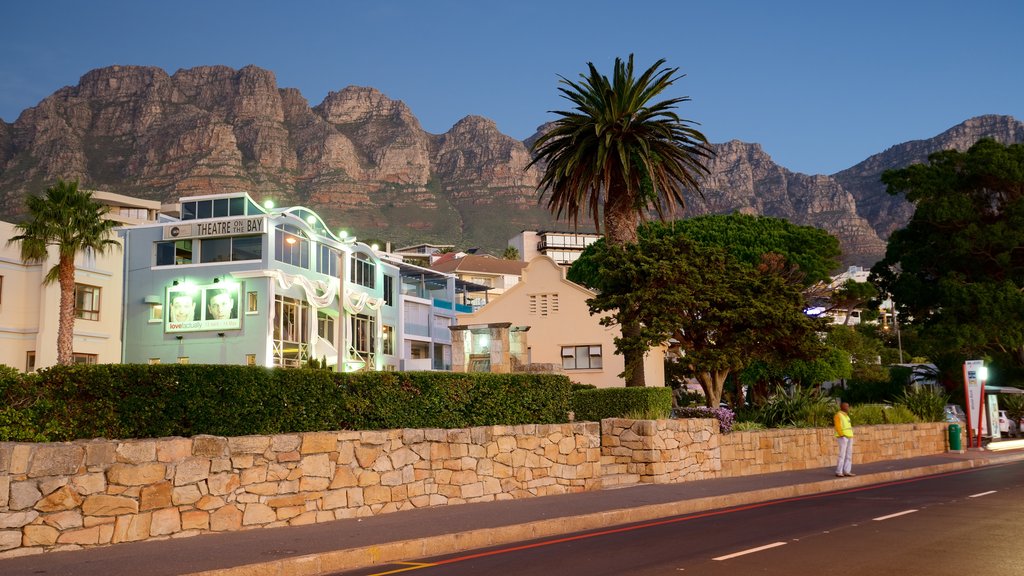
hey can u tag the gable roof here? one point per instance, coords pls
(479, 263)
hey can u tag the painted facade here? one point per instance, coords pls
(547, 315)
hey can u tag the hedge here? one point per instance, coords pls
(143, 401)
(600, 403)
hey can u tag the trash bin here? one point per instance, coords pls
(955, 441)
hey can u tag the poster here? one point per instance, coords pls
(192, 308)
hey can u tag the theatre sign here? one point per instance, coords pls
(227, 227)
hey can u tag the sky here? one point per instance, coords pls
(820, 85)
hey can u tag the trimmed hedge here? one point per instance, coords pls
(600, 403)
(142, 401)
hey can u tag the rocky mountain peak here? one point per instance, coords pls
(356, 104)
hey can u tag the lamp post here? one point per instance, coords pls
(899, 339)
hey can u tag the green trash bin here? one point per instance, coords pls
(955, 440)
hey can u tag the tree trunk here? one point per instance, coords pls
(712, 383)
(66, 325)
(620, 223)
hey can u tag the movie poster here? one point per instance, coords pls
(205, 307)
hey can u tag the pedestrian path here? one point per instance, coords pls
(348, 544)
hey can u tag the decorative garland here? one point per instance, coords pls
(355, 302)
(327, 291)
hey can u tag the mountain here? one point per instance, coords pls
(363, 161)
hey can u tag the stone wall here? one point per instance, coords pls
(63, 496)
(69, 495)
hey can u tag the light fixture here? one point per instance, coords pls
(375, 247)
(310, 219)
(342, 234)
(268, 204)
(175, 283)
(179, 336)
(290, 240)
(221, 334)
(216, 280)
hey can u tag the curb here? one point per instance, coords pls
(366, 556)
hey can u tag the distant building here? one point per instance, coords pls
(562, 247)
(543, 324)
(29, 310)
(497, 274)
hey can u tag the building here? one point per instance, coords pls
(497, 274)
(232, 282)
(543, 323)
(562, 247)
(420, 254)
(29, 310)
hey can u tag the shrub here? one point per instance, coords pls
(600, 403)
(725, 416)
(867, 414)
(926, 403)
(805, 407)
(747, 425)
(900, 414)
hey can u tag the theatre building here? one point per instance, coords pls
(233, 282)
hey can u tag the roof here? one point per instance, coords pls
(480, 263)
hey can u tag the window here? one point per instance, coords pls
(581, 357)
(290, 319)
(182, 359)
(154, 361)
(252, 302)
(79, 358)
(362, 272)
(246, 248)
(156, 313)
(250, 359)
(543, 304)
(174, 252)
(327, 261)
(215, 250)
(389, 290)
(291, 247)
(387, 344)
(30, 361)
(325, 326)
(363, 331)
(87, 302)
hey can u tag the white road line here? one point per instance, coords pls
(751, 551)
(982, 494)
(880, 518)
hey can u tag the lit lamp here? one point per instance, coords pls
(268, 204)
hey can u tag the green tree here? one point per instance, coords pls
(618, 154)
(70, 220)
(723, 312)
(851, 296)
(510, 253)
(956, 270)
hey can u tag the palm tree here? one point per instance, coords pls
(72, 221)
(617, 155)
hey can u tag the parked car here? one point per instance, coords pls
(1007, 426)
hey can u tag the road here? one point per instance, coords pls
(967, 522)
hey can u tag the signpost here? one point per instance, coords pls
(975, 375)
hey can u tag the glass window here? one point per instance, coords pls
(215, 250)
(581, 357)
(156, 313)
(153, 361)
(182, 359)
(252, 302)
(173, 252)
(253, 209)
(246, 248)
(30, 361)
(79, 358)
(327, 261)
(188, 210)
(325, 326)
(87, 302)
(389, 290)
(291, 246)
(363, 331)
(291, 337)
(204, 209)
(362, 272)
(237, 206)
(220, 207)
(388, 340)
(250, 359)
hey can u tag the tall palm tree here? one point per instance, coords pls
(618, 155)
(73, 222)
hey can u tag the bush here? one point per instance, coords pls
(600, 403)
(926, 403)
(747, 426)
(725, 416)
(805, 407)
(141, 401)
(867, 414)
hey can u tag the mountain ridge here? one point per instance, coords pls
(364, 162)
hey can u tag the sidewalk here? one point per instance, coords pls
(350, 544)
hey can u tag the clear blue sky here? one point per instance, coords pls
(821, 85)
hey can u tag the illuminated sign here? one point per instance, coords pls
(194, 308)
(209, 228)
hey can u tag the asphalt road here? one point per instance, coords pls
(968, 522)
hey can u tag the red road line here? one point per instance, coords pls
(698, 516)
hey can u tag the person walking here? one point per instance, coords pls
(844, 436)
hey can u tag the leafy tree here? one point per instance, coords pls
(852, 295)
(510, 253)
(723, 312)
(864, 353)
(956, 271)
(71, 221)
(618, 154)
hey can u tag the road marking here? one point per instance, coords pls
(751, 551)
(982, 494)
(905, 512)
(409, 566)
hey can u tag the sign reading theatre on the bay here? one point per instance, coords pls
(209, 228)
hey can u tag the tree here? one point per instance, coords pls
(618, 154)
(956, 270)
(723, 312)
(510, 253)
(71, 221)
(852, 295)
